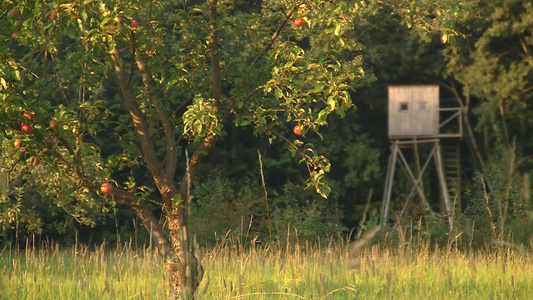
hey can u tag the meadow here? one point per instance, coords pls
(295, 271)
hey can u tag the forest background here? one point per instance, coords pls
(55, 66)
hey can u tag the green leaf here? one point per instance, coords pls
(319, 87)
(322, 116)
(106, 21)
(330, 28)
(337, 30)
(332, 103)
(324, 191)
(278, 93)
(177, 200)
(71, 32)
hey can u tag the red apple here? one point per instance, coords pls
(297, 130)
(299, 22)
(25, 128)
(134, 24)
(53, 124)
(112, 26)
(34, 161)
(29, 115)
(14, 35)
(15, 12)
(18, 143)
(106, 187)
(53, 15)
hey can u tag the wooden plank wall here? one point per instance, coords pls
(422, 115)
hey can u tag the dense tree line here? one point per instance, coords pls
(188, 110)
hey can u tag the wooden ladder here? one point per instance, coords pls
(451, 156)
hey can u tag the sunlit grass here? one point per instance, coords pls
(296, 272)
(329, 273)
(54, 273)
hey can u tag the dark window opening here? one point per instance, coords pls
(404, 106)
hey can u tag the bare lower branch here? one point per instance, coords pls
(148, 219)
(197, 156)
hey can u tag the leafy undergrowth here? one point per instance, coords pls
(296, 272)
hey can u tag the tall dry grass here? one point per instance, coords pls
(306, 271)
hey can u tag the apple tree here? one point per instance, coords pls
(128, 97)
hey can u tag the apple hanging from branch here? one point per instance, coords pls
(26, 128)
(297, 130)
(299, 22)
(106, 187)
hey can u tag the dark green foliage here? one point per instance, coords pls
(495, 202)
(225, 206)
(304, 216)
(235, 209)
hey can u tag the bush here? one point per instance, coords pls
(221, 205)
(304, 215)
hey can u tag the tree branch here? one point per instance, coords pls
(213, 45)
(127, 197)
(275, 35)
(148, 219)
(171, 158)
(209, 140)
(164, 184)
(196, 157)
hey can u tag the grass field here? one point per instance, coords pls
(297, 272)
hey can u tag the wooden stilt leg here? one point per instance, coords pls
(388, 183)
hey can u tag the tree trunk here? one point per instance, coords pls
(182, 264)
(188, 273)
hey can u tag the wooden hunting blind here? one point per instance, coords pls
(413, 110)
(413, 123)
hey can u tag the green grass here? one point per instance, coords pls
(307, 272)
(54, 273)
